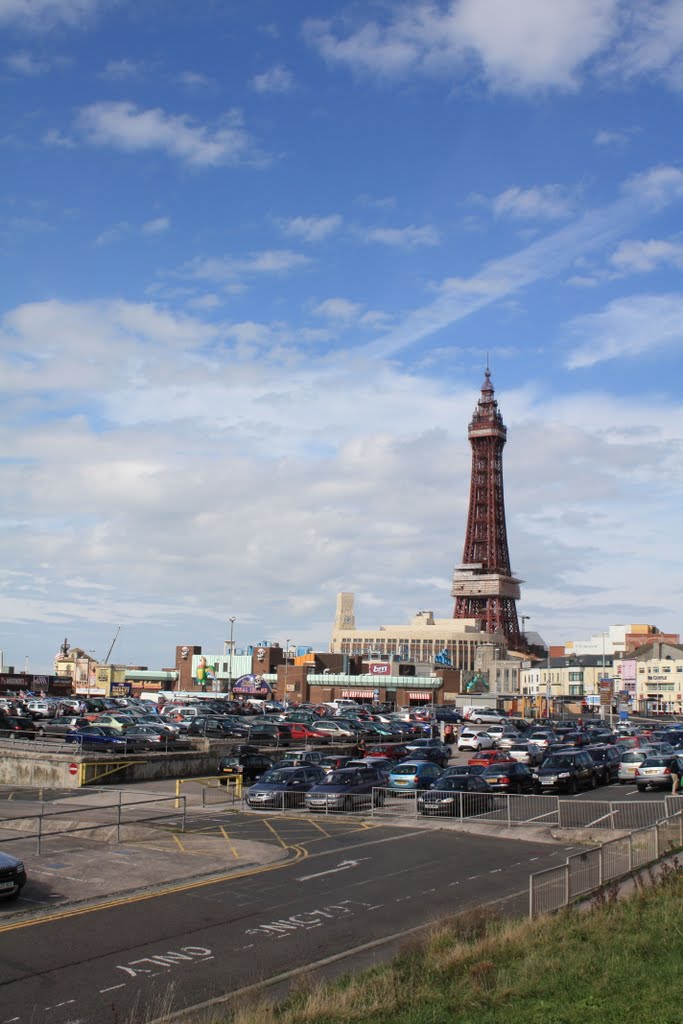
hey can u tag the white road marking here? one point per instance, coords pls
(57, 1005)
(112, 988)
(344, 865)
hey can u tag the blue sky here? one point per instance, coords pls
(254, 257)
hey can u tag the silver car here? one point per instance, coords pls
(655, 771)
(526, 753)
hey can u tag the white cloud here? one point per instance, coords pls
(652, 42)
(337, 309)
(643, 257)
(113, 234)
(610, 138)
(276, 79)
(311, 229)
(657, 185)
(626, 328)
(41, 15)
(545, 202)
(123, 69)
(194, 80)
(24, 63)
(156, 226)
(270, 261)
(123, 126)
(401, 238)
(520, 46)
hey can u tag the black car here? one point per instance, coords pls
(12, 876)
(447, 714)
(251, 766)
(607, 759)
(16, 727)
(567, 771)
(270, 734)
(216, 728)
(508, 777)
(429, 750)
(457, 796)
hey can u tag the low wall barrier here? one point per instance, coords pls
(588, 871)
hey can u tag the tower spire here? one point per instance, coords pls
(483, 585)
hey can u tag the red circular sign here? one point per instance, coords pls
(73, 769)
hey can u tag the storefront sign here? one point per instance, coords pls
(357, 693)
(379, 668)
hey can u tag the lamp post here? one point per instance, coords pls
(287, 642)
(231, 620)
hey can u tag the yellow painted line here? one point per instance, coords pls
(327, 834)
(178, 842)
(63, 915)
(278, 837)
(230, 843)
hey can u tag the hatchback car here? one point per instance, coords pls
(430, 750)
(103, 737)
(457, 796)
(526, 753)
(509, 777)
(566, 772)
(655, 772)
(17, 727)
(284, 787)
(475, 739)
(294, 757)
(630, 762)
(12, 876)
(348, 789)
(60, 725)
(409, 776)
(607, 759)
(251, 766)
(487, 757)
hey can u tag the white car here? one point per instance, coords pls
(506, 738)
(475, 739)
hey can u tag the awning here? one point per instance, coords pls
(420, 696)
(358, 693)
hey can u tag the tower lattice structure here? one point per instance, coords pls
(483, 585)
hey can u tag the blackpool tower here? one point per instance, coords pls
(483, 585)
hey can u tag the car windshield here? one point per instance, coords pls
(340, 778)
(453, 782)
(405, 769)
(559, 762)
(633, 757)
(277, 776)
(656, 762)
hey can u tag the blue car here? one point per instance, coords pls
(409, 776)
(104, 737)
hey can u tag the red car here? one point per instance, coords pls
(307, 733)
(394, 751)
(487, 757)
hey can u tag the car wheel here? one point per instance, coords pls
(40, 732)
(594, 782)
(518, 788)
(477, 721)
(573, 787)
(641, 789)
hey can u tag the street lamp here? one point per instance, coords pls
(287, 642)
(232, 627)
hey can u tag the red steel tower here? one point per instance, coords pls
(483, 585)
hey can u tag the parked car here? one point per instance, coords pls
(429, 750)
(331, 762)
(457, 796)
(104, 738)
(509, 777)
(41, 708)
(382, 766)
(475, 739)
(462, 769)
(275, 734)
(526, 753)
(655, 772)
(151, 738)
(284, 787)
(302, 732)
(12, 876)
(408, 776)
(630, 762)
(607, 758)
(17, 727)
(448, 714)
(567, 772)
(251, 765)
(480, 716)
(60, 725)
(348, 789)
(343, 733)
(299, 757)
(541, 737)
(117, 722)
(503, 735)
(487, 757)
(216, 728)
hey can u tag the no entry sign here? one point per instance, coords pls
(73, 769)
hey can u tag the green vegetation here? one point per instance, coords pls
(620, 960)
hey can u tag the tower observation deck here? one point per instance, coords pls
(483, 585)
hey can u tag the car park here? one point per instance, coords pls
(566, 772)
(347, 789)
(408, 776)
(12, 876)
(457, 796)
(475, 739)
(509, 777)
(284, 787)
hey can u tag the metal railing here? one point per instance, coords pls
(586, 872)
(113, 817)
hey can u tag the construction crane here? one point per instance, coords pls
(106, 660)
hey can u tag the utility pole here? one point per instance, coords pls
(232, 626)
(287, 642)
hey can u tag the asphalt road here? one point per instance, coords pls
(143, 954)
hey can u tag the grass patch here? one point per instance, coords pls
(619, 958)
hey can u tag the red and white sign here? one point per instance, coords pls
(419, 696)
(379, 668)
(73, 769)
(358, 693)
